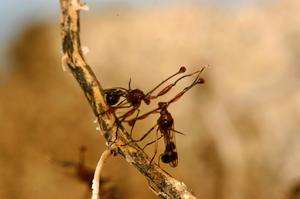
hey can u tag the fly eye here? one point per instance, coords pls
(112, 98)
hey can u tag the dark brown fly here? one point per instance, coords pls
(165, 125)
(133, 97)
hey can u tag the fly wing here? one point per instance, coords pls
(170, 155)
(173, 154)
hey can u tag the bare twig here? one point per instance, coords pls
(165, 185)
(96, 180)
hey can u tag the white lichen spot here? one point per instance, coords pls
(64, 64)
(64, 68)
(95, 121)
(186, 196)
(94, 83)
(164, 195)
(80, 6)
(84, 6)
(85, 50)
(98, 128)
(129, 159)
(180, 184)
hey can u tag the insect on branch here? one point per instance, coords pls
(73, 59)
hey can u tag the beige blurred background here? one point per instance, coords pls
(242, 126)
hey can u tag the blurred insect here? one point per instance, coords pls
(165, 125)
(86, 175)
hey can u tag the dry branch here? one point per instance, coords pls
(164, 185)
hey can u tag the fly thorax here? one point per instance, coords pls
(165, 121)
(135, 97)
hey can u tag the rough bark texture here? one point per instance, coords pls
(164, 185)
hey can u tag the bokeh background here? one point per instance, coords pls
(242, 127)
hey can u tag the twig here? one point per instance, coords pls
(73, 59)
(96, 180)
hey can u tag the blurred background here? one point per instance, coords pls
(242, 126)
